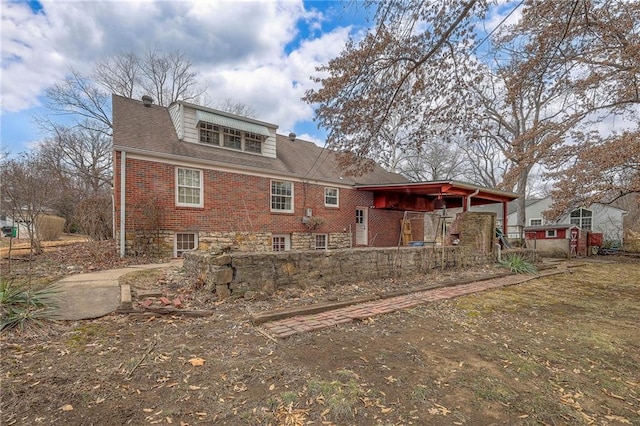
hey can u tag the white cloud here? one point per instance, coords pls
(241, 49)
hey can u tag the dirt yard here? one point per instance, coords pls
(559, 350)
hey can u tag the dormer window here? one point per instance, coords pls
(253, 142)
(209, 133)
(212, 134)
(232, 138)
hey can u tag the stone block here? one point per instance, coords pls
(223, 291)
(222, 260)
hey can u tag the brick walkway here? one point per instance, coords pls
(301, 324)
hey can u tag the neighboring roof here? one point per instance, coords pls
(445, 189)
(150, 131)
(550, 226)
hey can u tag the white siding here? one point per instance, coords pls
(190, 129)
(269, 145)
(191, 133)
(174, 112)
(606, 219)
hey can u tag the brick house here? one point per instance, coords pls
(187, 177)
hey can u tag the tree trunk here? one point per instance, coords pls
(521, 188)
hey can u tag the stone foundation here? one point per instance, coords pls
(160, 243)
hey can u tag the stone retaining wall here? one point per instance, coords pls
(269, 271)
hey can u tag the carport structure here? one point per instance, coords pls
(431, 196)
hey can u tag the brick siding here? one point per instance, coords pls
(239, 203)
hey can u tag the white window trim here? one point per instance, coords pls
(287, 241)
(201, 203)
(175, 242)
(337, 204)
(326, 242)
(291, 210)
(549, 232)
(536, 218)
(223, 131)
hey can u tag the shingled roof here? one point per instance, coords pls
(149, 131)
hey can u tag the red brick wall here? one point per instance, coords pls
(235, 202)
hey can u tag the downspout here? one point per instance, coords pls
(505, 225)
(473, 194)
(123, 170)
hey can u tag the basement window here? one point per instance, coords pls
(281, 242)
(184, 242)
(320, 241)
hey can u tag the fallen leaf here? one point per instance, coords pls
(618, 419)
(67, 407)
(196, 362)
(193, 387)
(272, 387)
(386, 410)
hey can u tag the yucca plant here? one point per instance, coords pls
(518, 264)
(21, 306)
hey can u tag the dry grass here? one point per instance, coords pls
(562, 350)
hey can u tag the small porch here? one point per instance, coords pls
(437, 195)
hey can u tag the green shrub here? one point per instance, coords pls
(518, 264)
(49, 228)
(21, 306)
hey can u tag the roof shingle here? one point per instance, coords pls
(150, 131)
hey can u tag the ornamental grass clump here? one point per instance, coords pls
(21, 306)
(518, 264)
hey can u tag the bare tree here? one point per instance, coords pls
(410, 67)
(80, 154)
(436, 160)
(80, 97)
(485, 165)
(559, 70)
(235, 107)
(119, 73)
(24, 194)
(167, 77)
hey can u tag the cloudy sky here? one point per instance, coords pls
(260, 53)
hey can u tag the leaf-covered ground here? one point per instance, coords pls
(559, 350)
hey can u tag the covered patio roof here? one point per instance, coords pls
(429, 196)
(422, 196)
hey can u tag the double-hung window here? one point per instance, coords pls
(188, 187)
(331, 197)
(535, 222)
(281, 196)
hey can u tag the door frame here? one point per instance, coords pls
(364, 232)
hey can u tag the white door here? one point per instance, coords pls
(361, 226)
